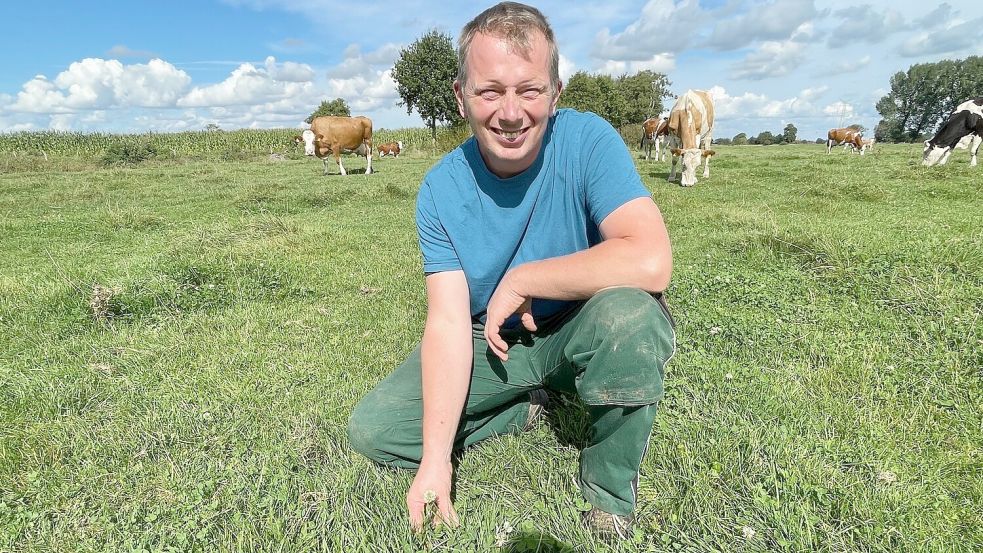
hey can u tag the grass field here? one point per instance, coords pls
(826, 395)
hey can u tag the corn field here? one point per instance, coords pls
(197, 143)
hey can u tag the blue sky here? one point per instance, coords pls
(171, 66)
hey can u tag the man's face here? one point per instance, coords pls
(507, 100)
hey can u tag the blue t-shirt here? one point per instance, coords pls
(469, 219)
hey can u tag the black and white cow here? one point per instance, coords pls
(967, 120)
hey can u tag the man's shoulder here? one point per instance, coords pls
(571, 120)
(448, 168)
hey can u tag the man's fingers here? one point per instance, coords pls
(496, 343)
(416, 509)
(528, 321)
(446, 515)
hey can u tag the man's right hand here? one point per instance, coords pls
(437, 478)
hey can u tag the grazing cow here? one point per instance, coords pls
(690, 125)
(850, 136)
(965, 122)
(331, 136)
(654, 131)
(390, 148)
(868, 144)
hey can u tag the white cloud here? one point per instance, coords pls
(850, 65)
(841, 110)
(567, 68)
(365, 93)
(765, 21)
(660, 63)
(355, 63)
(810, 94)
(662, 27)
(95, 83)
(955, 36)
(864, 24)
(247, 85)
(772, 59)
(751, 105)
(289, 71)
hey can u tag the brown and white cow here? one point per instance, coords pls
(332, 136)
(390, 148)
(690, 130)
(965, 122)
(654, 131)
(844, 135)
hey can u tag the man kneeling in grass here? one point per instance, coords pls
(545, 258)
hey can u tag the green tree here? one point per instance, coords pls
(338, 106)
(789, 134)
(740, 139)
(598, 94)
(622, 101)
(924, 96)
(424, 75)
(643, 93)
(765, 138)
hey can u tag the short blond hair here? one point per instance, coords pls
(513, 22)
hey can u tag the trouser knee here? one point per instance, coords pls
(626, 344)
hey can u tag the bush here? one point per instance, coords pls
(127, 153)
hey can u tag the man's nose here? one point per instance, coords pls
(511, 112)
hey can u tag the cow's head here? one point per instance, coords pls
(308, 138)
(935, 154)
(399, 144)
(691, 160)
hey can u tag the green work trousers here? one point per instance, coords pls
(610, 351)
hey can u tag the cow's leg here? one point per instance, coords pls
(829, 146)
(707, 142)
(658, 148)
(324, 161)
(368, 163)
(672, 171)
(974, 147)
(337, 159)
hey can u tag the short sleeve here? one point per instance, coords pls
(610, 177)
(438, 251)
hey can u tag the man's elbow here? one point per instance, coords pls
(656, 272)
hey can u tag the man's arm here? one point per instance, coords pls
(635, 252)
(446, 358)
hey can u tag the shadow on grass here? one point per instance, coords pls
(568, 418)
(535, 542)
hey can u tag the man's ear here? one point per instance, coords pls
(459, 96)
(708, 153)
(556, 97)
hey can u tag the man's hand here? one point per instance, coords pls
(434, 477)
(504, 302)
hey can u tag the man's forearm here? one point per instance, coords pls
(446, 357)
(580, 275)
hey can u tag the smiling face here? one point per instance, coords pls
(507, 100)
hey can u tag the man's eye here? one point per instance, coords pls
(490, 95)
(531, 94)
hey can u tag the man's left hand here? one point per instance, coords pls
(504, 302)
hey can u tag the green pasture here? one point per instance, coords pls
(826, 395)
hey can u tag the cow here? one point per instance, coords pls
(965, 121)
(846, 135)
(332, 136)
(390, 148)
(868, 144)
(690, 124)
(654, 131)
